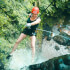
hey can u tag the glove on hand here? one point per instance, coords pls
(28, 25)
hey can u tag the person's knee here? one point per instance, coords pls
(32, 46)
(17, 42)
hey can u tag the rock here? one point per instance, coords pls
(57, 48)
(58, 63)
(67, 60)
(62, 39)
(66, 31)
(47, 31)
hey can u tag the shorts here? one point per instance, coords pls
(29, 32)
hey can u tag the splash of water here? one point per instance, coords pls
(20, 59)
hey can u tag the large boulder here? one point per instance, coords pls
(62, 39)
(58, 63)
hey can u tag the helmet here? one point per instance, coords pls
(35, 10)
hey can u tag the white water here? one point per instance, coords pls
(49, 51)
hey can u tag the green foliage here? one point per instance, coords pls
(13, 16)
(54, 7)
(12, 12)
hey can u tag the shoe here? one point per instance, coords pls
(8, 57)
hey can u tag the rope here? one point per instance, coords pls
(53, 33)
(47, 7)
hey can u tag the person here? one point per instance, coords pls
(30, 29)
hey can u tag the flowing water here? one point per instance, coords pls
(22, 57)
(52, 49)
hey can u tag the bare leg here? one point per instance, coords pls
(21, 37)
(33, 39)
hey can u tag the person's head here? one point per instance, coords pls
(35, 11)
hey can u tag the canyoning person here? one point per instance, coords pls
(30, 29)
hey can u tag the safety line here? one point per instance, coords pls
(52, 32)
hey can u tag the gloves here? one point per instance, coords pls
(28, 25)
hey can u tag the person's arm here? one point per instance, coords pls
(36, 22)
(33, 23)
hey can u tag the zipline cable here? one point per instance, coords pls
(47, 7)
(54, 33)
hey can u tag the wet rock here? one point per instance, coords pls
(67, 60)
(61, 65)
(47, 31)
(58, 63)
(62, 39)
(57, 48)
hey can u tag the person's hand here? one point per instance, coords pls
(28, 25)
